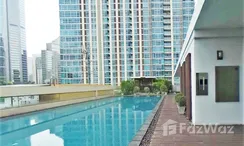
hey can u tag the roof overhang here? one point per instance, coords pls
(212, 14)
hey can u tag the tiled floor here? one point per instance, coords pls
(161, 135)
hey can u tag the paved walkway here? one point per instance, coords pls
(169, 111)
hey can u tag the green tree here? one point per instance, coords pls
(157, 84)
(163, 88)
(127, 87)
(168, 84)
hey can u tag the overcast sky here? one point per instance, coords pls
(42, 24)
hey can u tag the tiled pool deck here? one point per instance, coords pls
(169, 111)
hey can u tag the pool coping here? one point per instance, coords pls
(141, 134)
(15, 111)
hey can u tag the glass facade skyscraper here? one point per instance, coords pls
(13, 55)
(109, 41)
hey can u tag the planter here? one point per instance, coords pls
(181, 109)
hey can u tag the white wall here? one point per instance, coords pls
(242, 75)
(205, 109)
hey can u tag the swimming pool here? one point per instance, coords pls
(105, 122)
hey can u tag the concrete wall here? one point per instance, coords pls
(242, 75)
(6, 91)
(74, 95)
(205, 109)
(105, 92)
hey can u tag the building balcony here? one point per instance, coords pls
(167, 52)
(167, 34)
(166, 2)
(166, 15)
(167, 40)
(167, 58)
(167, 63)
(166, 8)
(167, 28)
(167, 45)
(167, 66)
(168, 69)
(167, 22)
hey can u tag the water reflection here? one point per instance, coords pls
(107, 122)
(8, 102)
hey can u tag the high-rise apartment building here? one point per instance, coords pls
(38, 70)
(109, 41)
(30, 70)
(50, 61)
(34, 67)
(13, 41)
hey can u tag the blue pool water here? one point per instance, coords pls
(105, 122)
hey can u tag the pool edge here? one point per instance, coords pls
(141, 133)
(4, 113)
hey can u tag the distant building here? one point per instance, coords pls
(54, 46)
(13, 59)
(34, 58)
(30, 70)
(3, 42)
(50, 61)
(38, 70)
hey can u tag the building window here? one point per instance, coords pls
(227, 83)
(70, 75)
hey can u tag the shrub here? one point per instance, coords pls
(3, 83)
(168, 84)
(159, 82)
(163, 88)
(146, 89)
(136, 89)
(127, 87)
(182, 101)
(178, 96)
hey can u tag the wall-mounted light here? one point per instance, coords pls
(220, 55)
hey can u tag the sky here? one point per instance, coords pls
(42, 24)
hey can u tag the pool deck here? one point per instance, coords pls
(169, 111)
